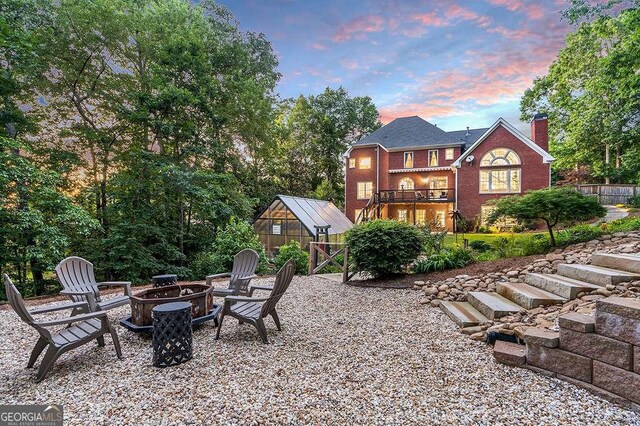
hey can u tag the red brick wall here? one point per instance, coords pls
(540, 132)
(418, 178)
(534, 174)
(420, 158)
(353, 176)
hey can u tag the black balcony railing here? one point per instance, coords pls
(427, 195)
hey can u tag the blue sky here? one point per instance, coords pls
(453, 63)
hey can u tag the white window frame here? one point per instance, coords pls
(413, 160)
(406, 188)
(449, 154)
(509, 171)
(421, 216)
(362, 163)
(352, 163)
(495, 157)
(405, 213)
(429, 158)
(443, 214)
(367, 188)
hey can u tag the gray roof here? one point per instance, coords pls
(409, 132)
(468, 136)
(312, 212)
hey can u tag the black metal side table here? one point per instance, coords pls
(164, 280)
(172, 334)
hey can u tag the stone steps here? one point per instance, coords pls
(492, 305)
(528, 296)
(463, 314)
(559, 285)
(619, 261)
(595, 274)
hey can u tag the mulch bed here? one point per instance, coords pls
(477, 268)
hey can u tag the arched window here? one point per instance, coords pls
(504, 178)
(405, 183)
(500, 157)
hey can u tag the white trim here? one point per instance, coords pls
(423, 147)
(421, 169)
(437, 151)
(404, 159)
(368, 145)
(508, 170)
(546, 157)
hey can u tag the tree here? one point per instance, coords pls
(592, 95)
(549, 206)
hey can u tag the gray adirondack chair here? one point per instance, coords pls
(253, 310)
(81, 329)
(79, 283)
(245, 263)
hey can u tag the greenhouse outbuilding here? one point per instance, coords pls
(301, 219)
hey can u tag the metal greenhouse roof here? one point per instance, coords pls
(312, 212)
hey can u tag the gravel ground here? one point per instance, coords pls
(346, 355)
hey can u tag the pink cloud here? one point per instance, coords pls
(532, 10)
(455, 11)
(512, 34)
(430, 19)
(358, 27)
(318, 46)
(394, 111)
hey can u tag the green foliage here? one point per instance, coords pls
(479, 246)
(237, 235)
(446, 259)
(383, 247)
(292, 250)
(627, 224)
(551, 206)
(634, 201)
(433, 241)
(591, 94)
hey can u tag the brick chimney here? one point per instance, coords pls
(540, 131)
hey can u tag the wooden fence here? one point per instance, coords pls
(322, 254)
(610, 194)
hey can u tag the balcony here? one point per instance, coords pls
(426, 195)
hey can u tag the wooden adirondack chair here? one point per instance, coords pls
(79, 283)
(253, 310)
(81, 329)
(245, 263)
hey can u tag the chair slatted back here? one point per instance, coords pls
(76, 273)
(15, 300)
(245, 263)
(283, 279)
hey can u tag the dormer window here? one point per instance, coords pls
(408, 160)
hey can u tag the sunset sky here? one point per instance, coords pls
(453, 63)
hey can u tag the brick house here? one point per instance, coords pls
(414, 171)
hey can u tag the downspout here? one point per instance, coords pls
(455, 207)
(378, 168)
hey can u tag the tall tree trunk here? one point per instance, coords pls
(607, 161)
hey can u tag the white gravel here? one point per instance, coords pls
(346, 355)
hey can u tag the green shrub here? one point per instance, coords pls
(626, 224)
(480, 246)
(578, 234)
(483, 230)
(383, 247)
(634, 201)
(236, 236)
(433, 241)
(446, 259)
(501, 246)
(292, 250)
(487, 256)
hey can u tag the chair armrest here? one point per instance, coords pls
(210, 278)
(69, 320)
(126, 285)
(247, 277)
(230, 299)
(260, 287)
(60, 307)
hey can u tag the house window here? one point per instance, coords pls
(408, 160)
(503, 179)
(500, 181)
(365, 190)
(438, 182)
(433, 158)
(403, 216)
(365, 163)
(500, 157)
(352, 163)
(405, 183)
(421, 217)
(449, 153)
(439, 219)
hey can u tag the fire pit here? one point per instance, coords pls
(199, 295)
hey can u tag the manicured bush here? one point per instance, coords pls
(446, 259)
(383, 247)
(235, 236)
(292, 250)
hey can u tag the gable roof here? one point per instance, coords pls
(409, 132)
(468, 136)
(546, 157)
(312, 212)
